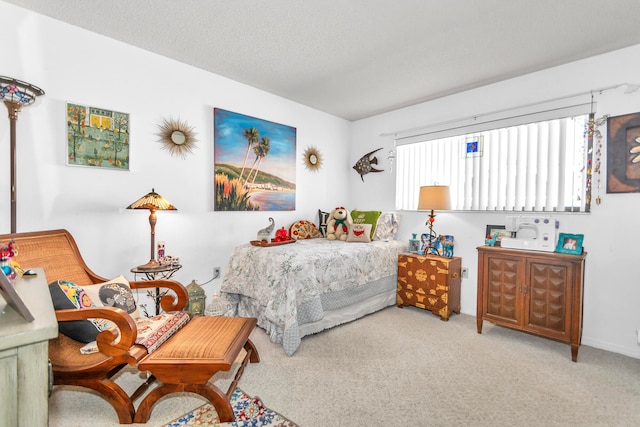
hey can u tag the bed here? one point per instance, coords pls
(311, 285)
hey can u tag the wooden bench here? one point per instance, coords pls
(193, 355)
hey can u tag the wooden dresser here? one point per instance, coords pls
(24, 347)
(429, 282)
(532, 291)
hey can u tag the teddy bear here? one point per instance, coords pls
(338, 224)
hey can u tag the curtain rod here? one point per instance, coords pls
(631, 88)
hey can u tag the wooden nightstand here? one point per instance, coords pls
(429, 282)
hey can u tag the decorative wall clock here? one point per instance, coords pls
(312, 159)
(177, 137)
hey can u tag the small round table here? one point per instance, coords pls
(165, 271)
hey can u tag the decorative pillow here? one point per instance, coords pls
(153, 331)
(366, 217)
(114, 293)
(323, 218)
(304, 230)
(359, 233)
(67, 295)
(387, 226)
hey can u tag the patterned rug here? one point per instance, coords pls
(249, 412)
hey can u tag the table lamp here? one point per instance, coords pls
(433, 197)
(153, 202)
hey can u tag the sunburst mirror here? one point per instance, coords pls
(312, 159)
(177, 137)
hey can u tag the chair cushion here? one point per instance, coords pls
(153, 331)
(67, 295)
(114, 293)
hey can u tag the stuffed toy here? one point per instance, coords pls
(338, 224)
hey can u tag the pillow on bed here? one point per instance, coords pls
(387, 226)
(323, 218)
(67, 295)
(366, 217)
(359, 233)
(304, 230)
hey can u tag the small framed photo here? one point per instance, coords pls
(414, 246)
(12, 298)
(498, 231)
(570, 243)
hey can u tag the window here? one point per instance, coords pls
(535, 166)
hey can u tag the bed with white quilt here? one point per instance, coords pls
(311, 285)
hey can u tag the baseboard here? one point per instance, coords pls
(603, 345)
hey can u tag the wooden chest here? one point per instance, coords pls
(429, 282)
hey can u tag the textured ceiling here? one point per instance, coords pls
(358, 58)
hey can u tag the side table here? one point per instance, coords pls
(156, 273)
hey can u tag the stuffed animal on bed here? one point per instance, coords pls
(338, 224)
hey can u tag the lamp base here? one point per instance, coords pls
(150, 265)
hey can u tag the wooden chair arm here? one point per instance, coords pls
(168, 302)
(112, 342)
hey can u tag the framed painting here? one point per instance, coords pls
(570, 243)
(623, 154)
(254, 164)
(97, 137)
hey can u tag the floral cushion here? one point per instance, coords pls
(304, 230)
(67, 295)
(153, 331)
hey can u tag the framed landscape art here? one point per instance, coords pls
(254, 164)
(97, 137)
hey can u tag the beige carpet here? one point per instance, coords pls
(405, 367)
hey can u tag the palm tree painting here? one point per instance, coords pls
(254, 163)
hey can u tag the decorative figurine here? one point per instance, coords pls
(265, 233)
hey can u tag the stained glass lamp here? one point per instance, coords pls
(153, 202)
(16, 94)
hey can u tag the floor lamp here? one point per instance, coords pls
(16, 94)
(153, 202)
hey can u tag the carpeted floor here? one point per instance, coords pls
(406, 367)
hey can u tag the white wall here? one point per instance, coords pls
(74, 65)
(612, 285)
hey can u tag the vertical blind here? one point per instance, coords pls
(539, 166)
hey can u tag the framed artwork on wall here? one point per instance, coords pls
(623, 154)
(254, 164)
(97, 137)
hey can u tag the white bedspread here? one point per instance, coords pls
(293, 284)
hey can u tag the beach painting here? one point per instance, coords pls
(254, 163)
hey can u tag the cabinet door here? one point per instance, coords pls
(502, 296)
(548, 298)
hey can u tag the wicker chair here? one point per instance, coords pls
(56, 251)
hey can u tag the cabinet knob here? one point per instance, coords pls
(455, 275)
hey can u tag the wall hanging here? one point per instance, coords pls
(254, 164)
(312, 159)
(97, 137)
(623, 154)
(363, 165)
(177, 137)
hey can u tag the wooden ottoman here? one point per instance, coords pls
(188, 360)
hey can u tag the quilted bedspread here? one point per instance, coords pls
(289, 285)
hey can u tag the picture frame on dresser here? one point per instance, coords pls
(570, 243)
(498, 230)
(12, 298)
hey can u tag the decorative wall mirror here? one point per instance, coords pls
(312, 159)
(177, 137)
